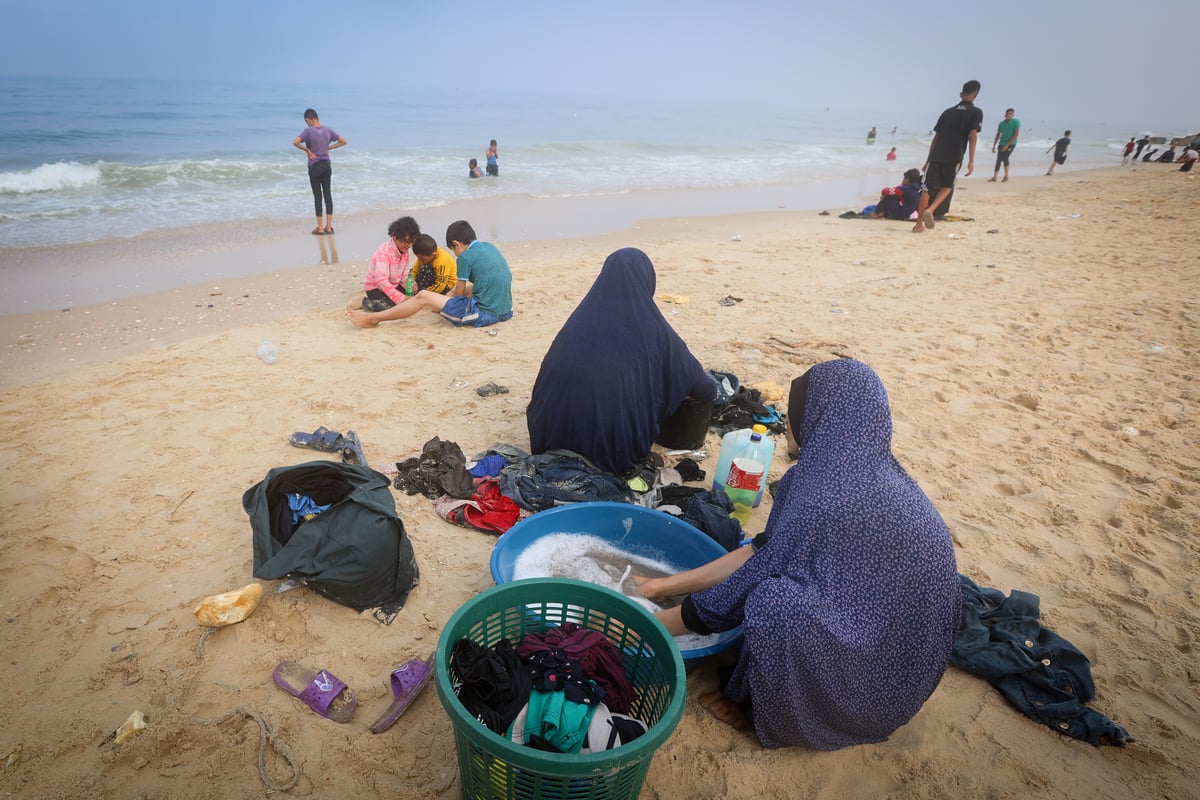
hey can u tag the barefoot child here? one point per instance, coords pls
(482, 294)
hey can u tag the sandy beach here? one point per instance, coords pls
(1039, 353)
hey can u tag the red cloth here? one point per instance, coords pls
(487, 509)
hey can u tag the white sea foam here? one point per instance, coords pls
(50, 178)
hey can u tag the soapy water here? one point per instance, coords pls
(589, 558)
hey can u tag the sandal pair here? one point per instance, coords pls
(330, 697)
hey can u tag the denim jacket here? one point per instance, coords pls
(1001, 640)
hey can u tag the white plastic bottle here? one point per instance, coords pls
(732, 443)
(268, 352)
(747, 476)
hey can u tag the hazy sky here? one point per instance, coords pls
(1061, 59)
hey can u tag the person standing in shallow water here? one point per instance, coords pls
(493, 159)
(849, 600)
(316, 141)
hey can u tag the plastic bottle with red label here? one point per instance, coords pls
(747, 476)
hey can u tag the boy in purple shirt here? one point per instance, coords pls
(317, 140)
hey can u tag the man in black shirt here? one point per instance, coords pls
(956, 130)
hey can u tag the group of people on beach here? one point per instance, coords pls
(316, 140)
(492, 156)
(1133, 150)
(955, 138)
(848, 599)
(468, 283)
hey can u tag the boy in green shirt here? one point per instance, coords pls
(1006, 137)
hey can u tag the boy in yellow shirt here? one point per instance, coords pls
(436, 269)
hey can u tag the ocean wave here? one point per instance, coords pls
(51, 178)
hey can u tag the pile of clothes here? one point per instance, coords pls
(563, 690)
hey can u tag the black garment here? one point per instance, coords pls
(1060, 150)
(552, 671)
(494, 686)
(376, 300)
(440, 469)
(744, 411)
(1167, 157)
(1142, 142)
(953, 131)
(320, 177)
(940, 174)
(689, 470)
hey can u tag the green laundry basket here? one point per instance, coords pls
(495, 768)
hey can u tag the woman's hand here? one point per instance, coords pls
(649, 588)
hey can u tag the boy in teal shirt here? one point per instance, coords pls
(1006, 137)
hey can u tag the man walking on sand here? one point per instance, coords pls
(1006, 137)
(316, 141)
(957, 129)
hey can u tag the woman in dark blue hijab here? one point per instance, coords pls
(614, 372)
(849, 601)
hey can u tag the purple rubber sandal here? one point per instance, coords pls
(408, 681)
(320, 691)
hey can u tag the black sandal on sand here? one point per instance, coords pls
(322, 439)
(352, 452)
(318, 232)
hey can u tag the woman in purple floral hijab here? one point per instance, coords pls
(849, 599)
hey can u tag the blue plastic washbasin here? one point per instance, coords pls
(634, 529)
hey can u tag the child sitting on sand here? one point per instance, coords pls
(900, 202)
(435, 269)
(389, 268)
(482, 294)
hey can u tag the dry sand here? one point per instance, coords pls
(1041, 362)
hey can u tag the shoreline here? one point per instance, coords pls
(56, 277)
(43, 344)
(1039, 363)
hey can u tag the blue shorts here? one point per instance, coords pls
(465, 311)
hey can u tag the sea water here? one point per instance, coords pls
(116, 158)
(589, 558)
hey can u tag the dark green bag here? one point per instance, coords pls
(355, 552)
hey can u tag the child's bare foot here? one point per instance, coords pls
(726, 710)
(360, 318)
